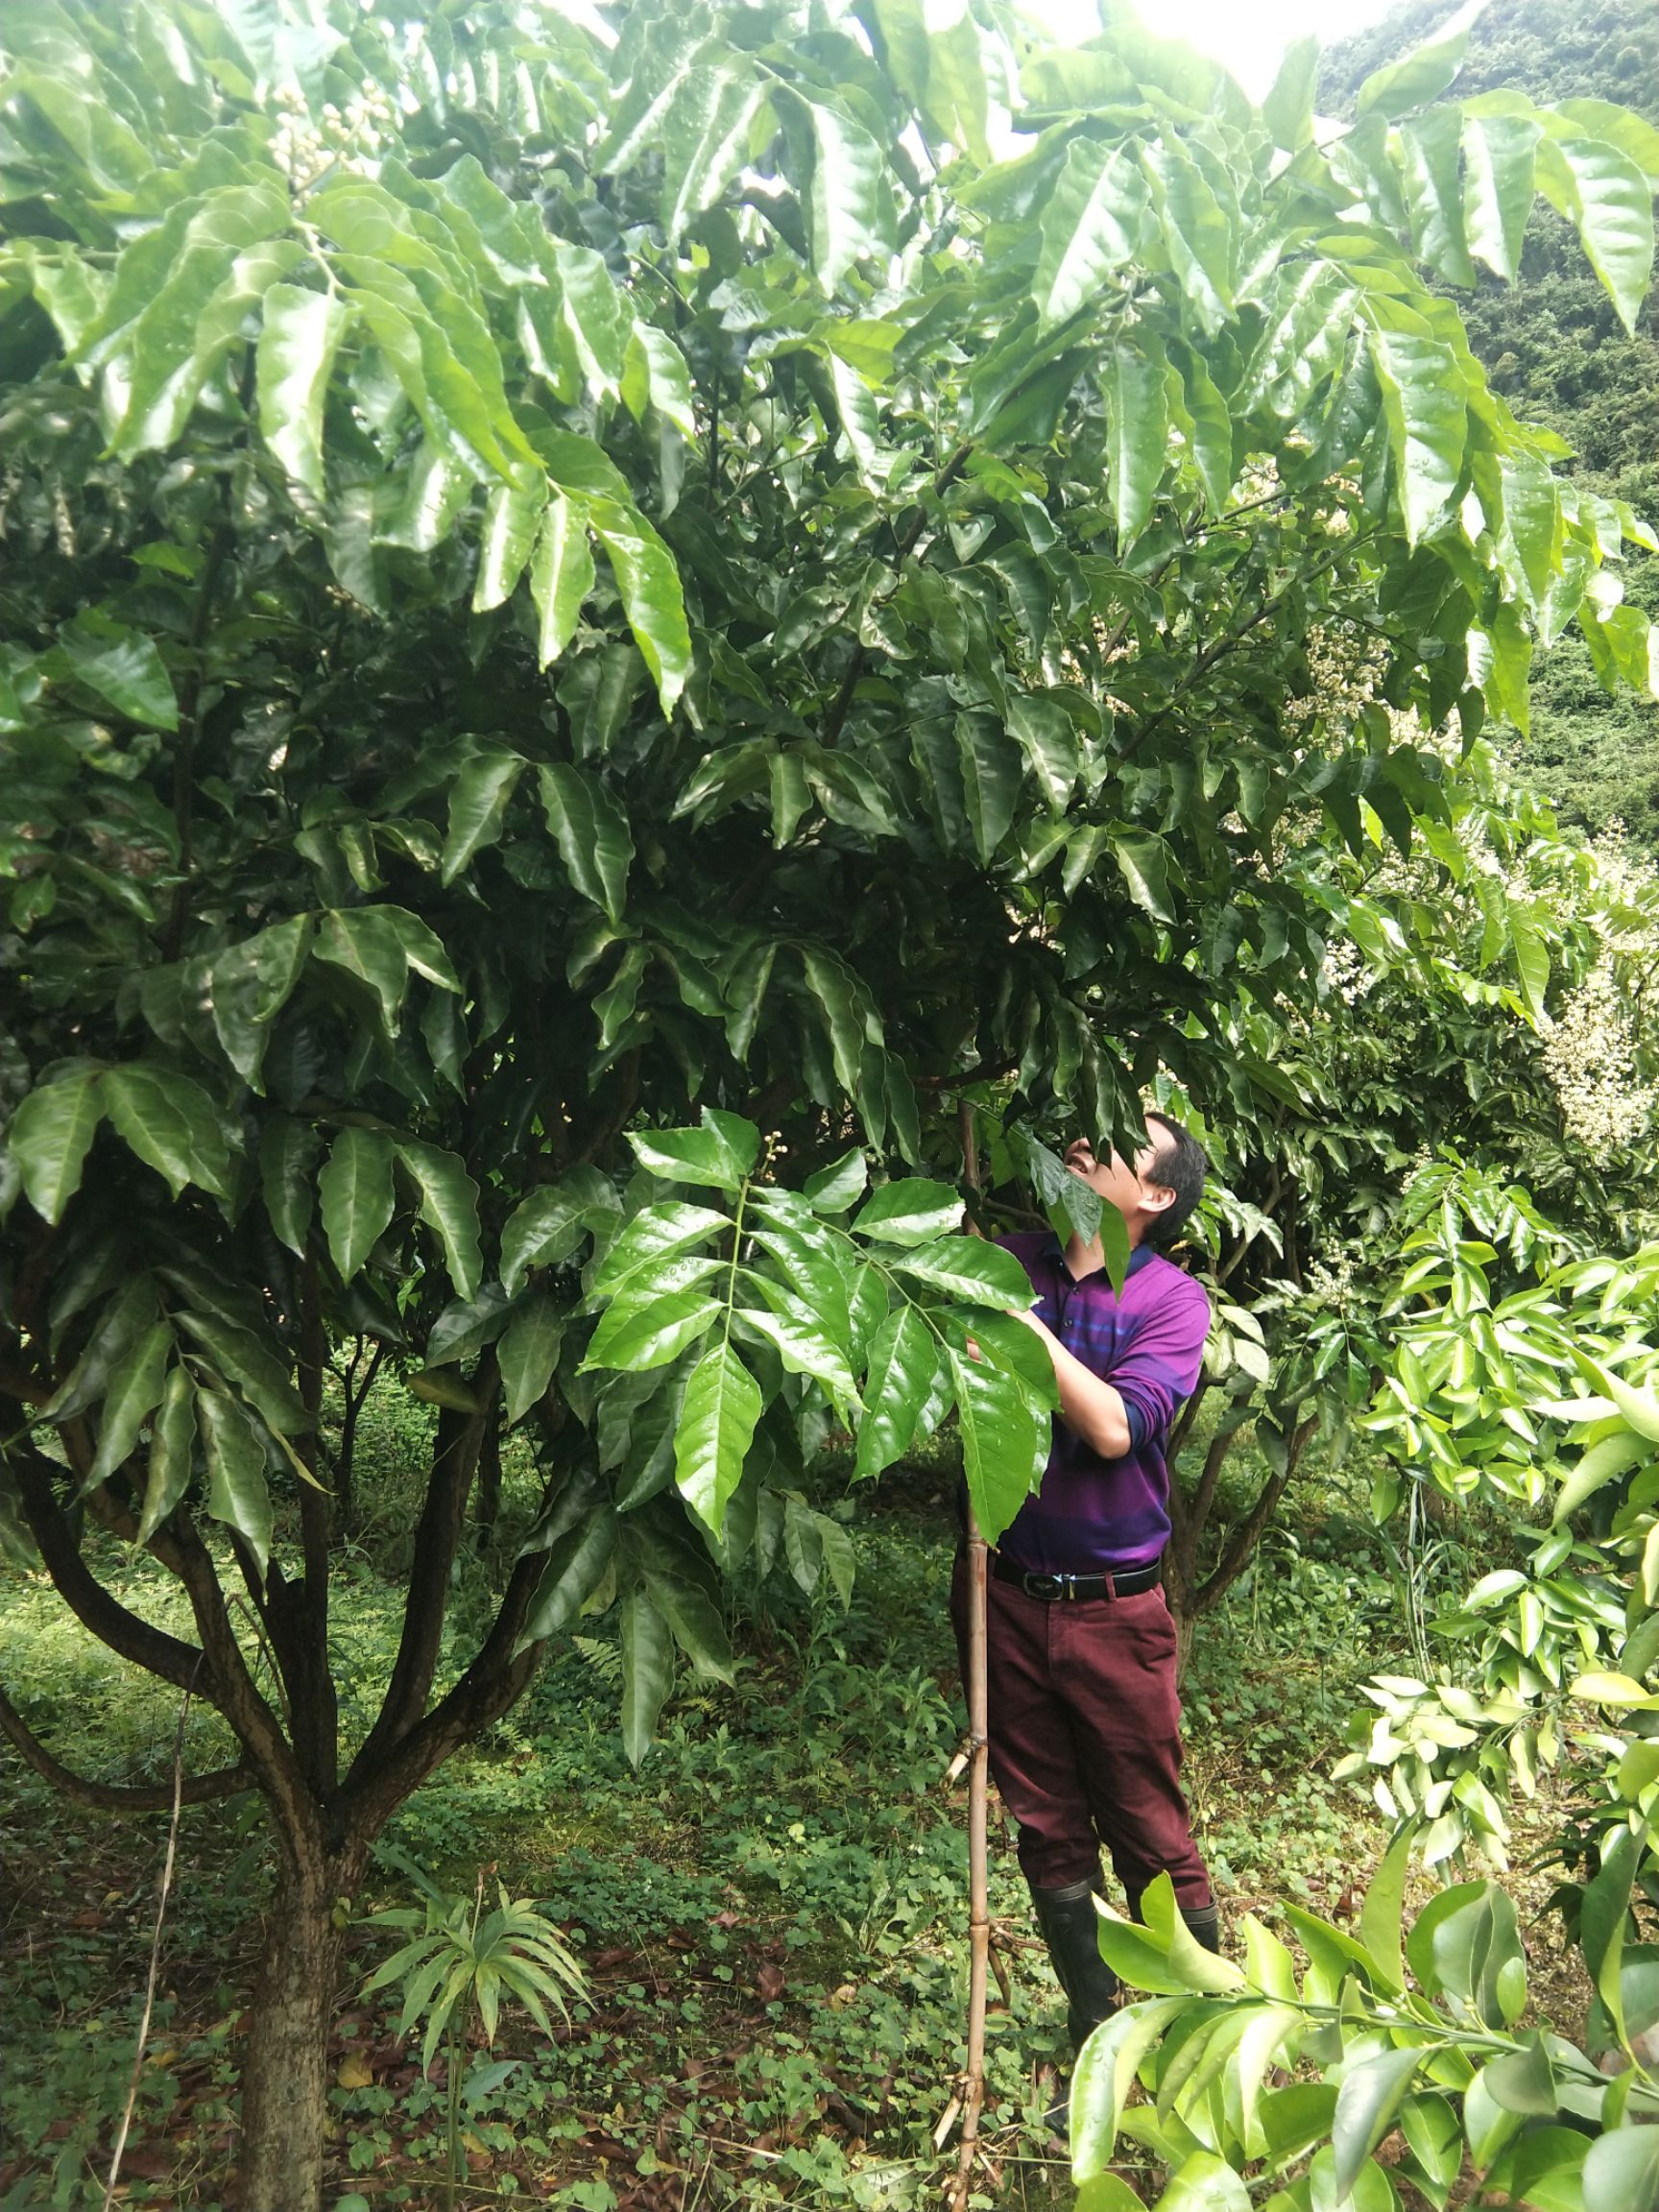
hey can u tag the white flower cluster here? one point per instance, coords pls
(1590, 1057)
(305, 150)
(1346, 971)
(1330, 1280)
(1345, 667)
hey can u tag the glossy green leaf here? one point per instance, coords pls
(694, 1620)
(990, 776)
(640, 1330)
(1198, 233)
(301, 333)
(1603, 192)
(1497, 187)
(792, 1327)
(356, 1197)
(49, 1138)
(288, 1155)
(1006, 1441)
(1367, 2100)
(449, 1205)
(545, 1229)
(248, 984)
(965, 1268)
(647, 1671)
(170, 1122)
(577, 1562)
(903, 1365)
(1288, 107)
(1424, 73)
(243, 1360)
(716, 1427)
(237, 1492)
(134, 1391)
(172, 1453)
(124, 669)
(1423, 404)
(913, 1211)
(832, 1189)
(478, 801)
(1089, 228)
(845, 195)
(511, 528)
(649, 584)
(593, 835)
(528, 1353)
(1622, 2172)
(560, 575)
(1136, 405)
(366, 943)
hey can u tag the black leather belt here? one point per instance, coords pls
(1056, 1588)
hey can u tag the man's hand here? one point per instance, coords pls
(1090, 1408)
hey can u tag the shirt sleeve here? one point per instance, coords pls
(1161, 1363)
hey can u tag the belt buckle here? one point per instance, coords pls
(1048, 1587)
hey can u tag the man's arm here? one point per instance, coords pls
(1090, 1408)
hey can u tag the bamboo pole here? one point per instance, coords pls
(978, 1861)
(973, 2089)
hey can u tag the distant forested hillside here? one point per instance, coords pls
(1555, 350)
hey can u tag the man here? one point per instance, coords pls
(1084, 1740)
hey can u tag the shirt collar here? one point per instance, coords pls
(1142, 1257)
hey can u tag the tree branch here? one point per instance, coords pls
(442, 1518)
(109, 1797)
(1246, 1534)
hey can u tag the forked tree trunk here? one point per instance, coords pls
(284, 2074)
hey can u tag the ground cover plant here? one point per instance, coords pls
(621, 633)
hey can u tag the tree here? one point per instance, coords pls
(562, 584)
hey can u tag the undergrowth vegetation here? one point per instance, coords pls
(768, 1910)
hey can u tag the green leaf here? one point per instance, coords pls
(649, 584)
(49, 1138)
(965, 1268)
(1423, 405)
(560, 575)
(902, 1369)
(1205, 2183)
(1005, 1439)
(913, 1211)
(694, 1618)
(666, 380)
(1367, 2100)
(1197, 231)
(1603, 192)
(545, 1229)
(356, 1196)
(1531, 957)
(466, 1325)
(653, 1237)
(299, 335)
(1424, 73)
(529, 1352)
(366, 943)
(238, 1493)
(449, 1205)
(129, 674)
(1382, 1914)
(171, 1124)
(478, 800)
(422, 948)
(1622, 2172)
(256, 1371)
(1136, 405)
(1614, 1455)
(512, 527)
(717, 1419)
(134, 1393)
(288, 1151)
(595, 841)
(641, 1330)
(991, 775)
(1498, 184)
(844, 192)
(1089, 227)
(172, 1453)
(792, 1328)
(844, 1010)
(647, 1671)
(577, 1562)
(698, 1156)
(247, 986)
(1287, 110)
(832, 1189)
(1145, 861)
(1430, 171)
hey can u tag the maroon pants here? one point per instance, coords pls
(1085, 1736)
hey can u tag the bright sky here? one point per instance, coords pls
(1247, 35)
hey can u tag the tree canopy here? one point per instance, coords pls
(757, 575)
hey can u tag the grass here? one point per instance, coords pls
(771, 1909)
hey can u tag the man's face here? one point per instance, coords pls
(1121, 1184)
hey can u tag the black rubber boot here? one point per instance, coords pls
(1067, 1922)
(1204, 1922)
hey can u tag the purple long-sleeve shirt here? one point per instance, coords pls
(1092, 1515)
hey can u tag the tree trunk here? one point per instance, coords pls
(284, 2074)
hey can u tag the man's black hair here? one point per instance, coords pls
(1178, 1164)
